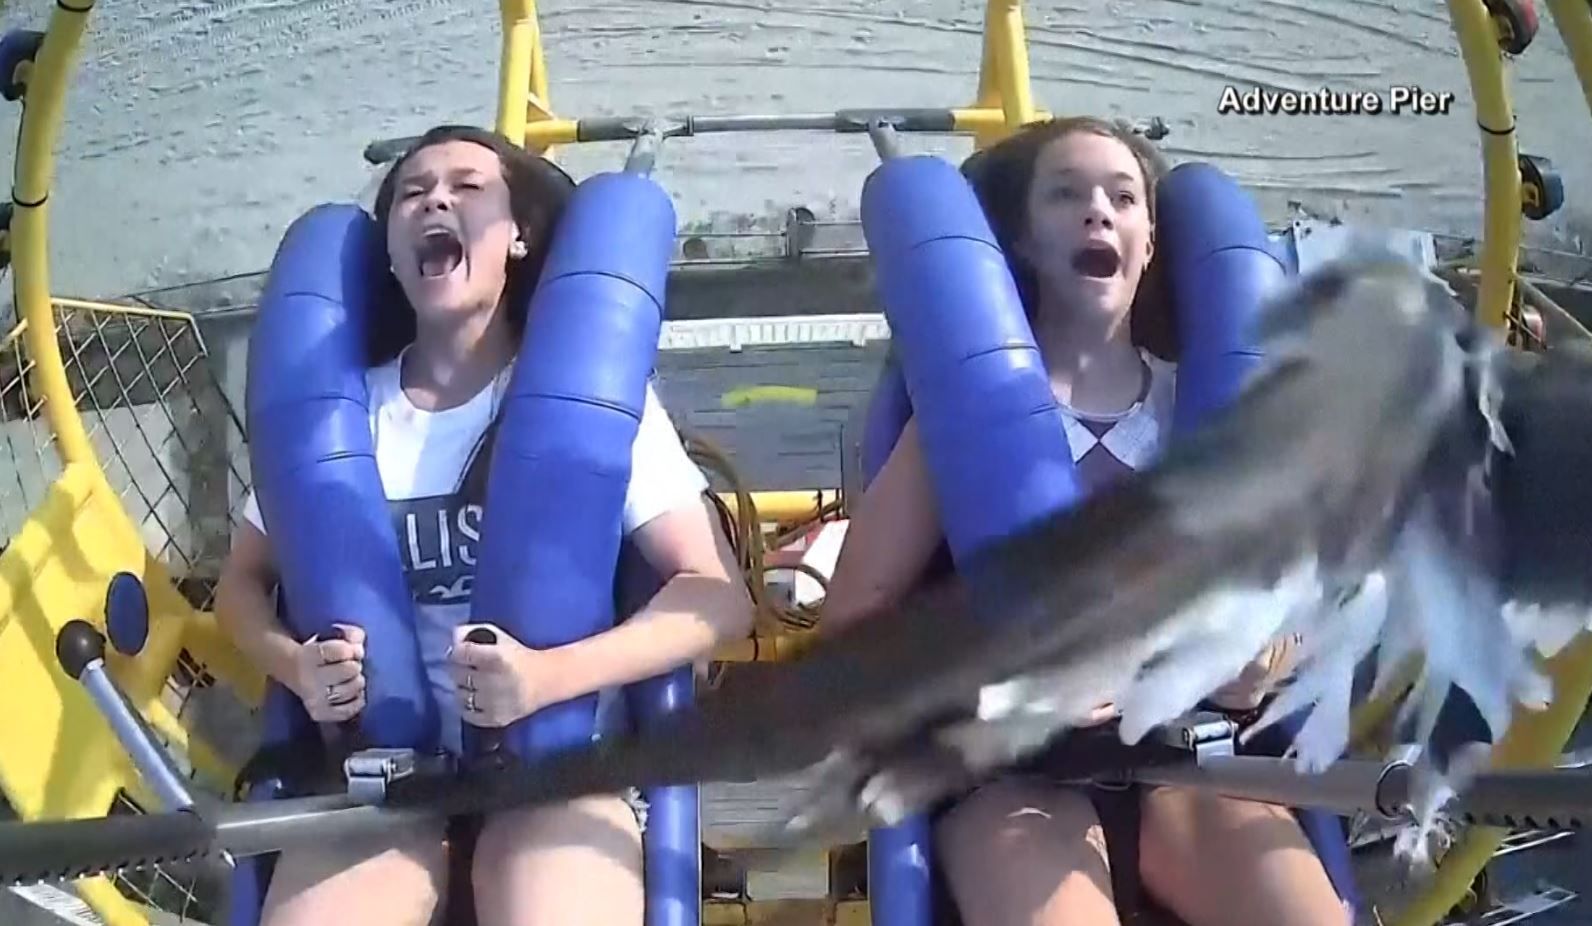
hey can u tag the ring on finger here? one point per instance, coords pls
(469, 702)
(469, 681)
(331, 694)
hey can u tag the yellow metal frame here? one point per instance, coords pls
(60, 561)
(1534, 739)
(1004, 103)
(1478, 43)
(57, 568)
(30, 192)
(81, 535)
(1005, 100)
(792, 506)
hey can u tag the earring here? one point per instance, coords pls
(517, 249)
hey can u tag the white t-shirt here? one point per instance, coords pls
(422, 456)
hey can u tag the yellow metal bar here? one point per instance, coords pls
(134, 310)
(767, 647)
(539, 102)
(1478, 43)
(1017, 96)
(783, 507)
(1534, 740)
(1003, 78)
(35, 165)
(979, 120)
(1573, 19)
(14, 335)
(514, 67)
(63, 761)
(1369, 717)
(542, 135)
(523, 106)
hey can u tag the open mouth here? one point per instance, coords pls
(439, 254)
(1097, 260)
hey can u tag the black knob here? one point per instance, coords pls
(78, 644)
(481, 742)
(345, 739)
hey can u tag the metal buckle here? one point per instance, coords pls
(370, 771)
(1205, 734)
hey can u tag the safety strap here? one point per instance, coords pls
(1121, 815)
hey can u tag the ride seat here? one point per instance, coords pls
(290, 756)
(897, 860)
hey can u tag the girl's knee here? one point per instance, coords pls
(1012, 821)
(1012, 810)
(1026, 852)
(384, 881)
(607, 825)
(579, 861)
(1214, 859)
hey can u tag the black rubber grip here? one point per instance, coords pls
(481, 742)
(77, 644)
(67, 849)
(345, 736)
(608, 128)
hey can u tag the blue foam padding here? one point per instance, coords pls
(552, 524)
(994, 440)
(672, 843)
(1220, 266)
(900, 873)
(551, 527)
(577, 405)
(314, 464)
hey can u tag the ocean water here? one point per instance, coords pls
(196, 131)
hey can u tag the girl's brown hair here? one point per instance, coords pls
(1001, 176)
(538, 192)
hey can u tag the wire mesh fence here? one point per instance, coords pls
(170, 444)
(169, 440)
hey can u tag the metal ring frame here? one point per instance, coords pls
(1004, 102)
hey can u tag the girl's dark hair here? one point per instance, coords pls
(538, 192)
(1001, 176)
